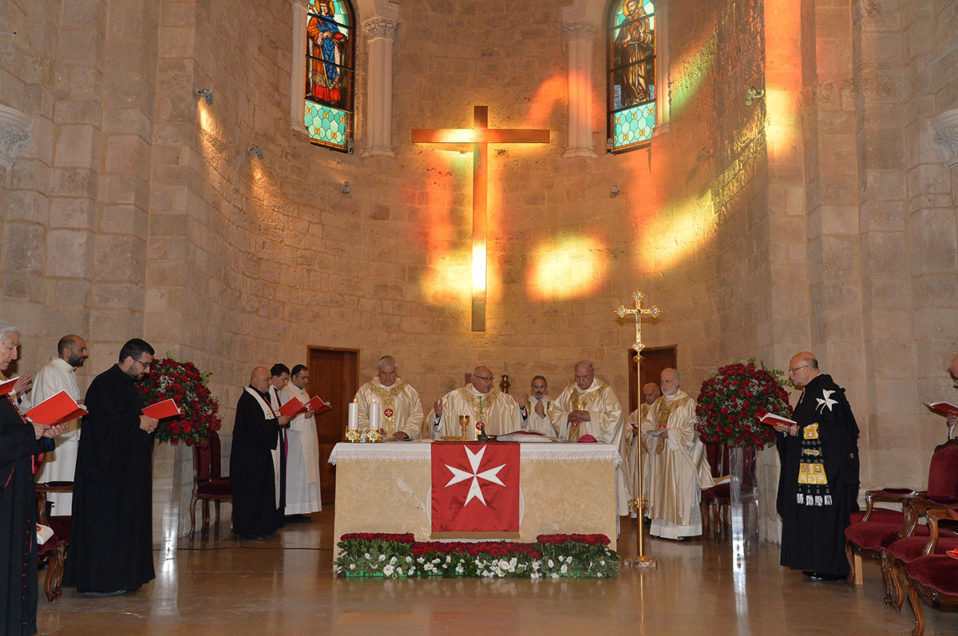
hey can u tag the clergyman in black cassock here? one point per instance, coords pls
(111, 543)
(252, 482)
(818, 485)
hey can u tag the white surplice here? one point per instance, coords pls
(302, 459)
(60, 465)
(539, 423)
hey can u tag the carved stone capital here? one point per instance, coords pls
(946, 136)
(579, 30)
(380, 27)
(14, 132)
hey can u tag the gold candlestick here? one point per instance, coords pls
(640, 502)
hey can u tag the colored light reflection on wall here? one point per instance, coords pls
(571, 267)
(676, 233)
(783, 77)
(691, 72)
(782, 120)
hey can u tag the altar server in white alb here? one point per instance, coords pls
(400, 408)
(678, 467)
(497, 411)
(302, 460)
(60, 375)
(587, 406)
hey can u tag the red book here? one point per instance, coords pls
(55, 410)
(942, 408)
(7, 385)
(292, 407)
(317, 405)
(771, 419)
(162, 409)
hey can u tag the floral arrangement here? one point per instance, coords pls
(183, 382)
(551, 556)
(731, 401)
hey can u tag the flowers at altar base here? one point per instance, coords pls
(731, 401)
(184, 383)
(560, 556)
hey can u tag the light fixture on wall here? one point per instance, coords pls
(614, 192)
(255, 150)
(345, 189)
(753, 94)
(206, 93)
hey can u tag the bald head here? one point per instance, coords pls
(259, 379)
(584, 374)
(669, 380)
(802, 368)
(651, 392)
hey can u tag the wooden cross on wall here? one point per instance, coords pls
(480, 136)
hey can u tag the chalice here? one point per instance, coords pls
(463, 425)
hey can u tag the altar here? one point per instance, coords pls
(386, 487)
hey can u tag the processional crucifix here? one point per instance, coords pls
(639, 501)
(480, 136)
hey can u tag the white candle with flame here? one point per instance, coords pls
(353, 416)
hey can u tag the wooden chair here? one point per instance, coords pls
(208, 484)
(53, 552)
(933, 576)
(876, 531)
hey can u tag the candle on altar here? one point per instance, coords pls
(375, 422)
(353, 416)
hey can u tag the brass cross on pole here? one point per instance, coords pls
(640, 502)
(480, 136)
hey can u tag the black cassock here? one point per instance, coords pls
(111, 542)
(818, 485)
(251, 468)
(18, 517)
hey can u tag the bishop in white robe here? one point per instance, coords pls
(497, 411)
(400, 408)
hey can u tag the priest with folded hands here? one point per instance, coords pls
(255, 433)
(400, 412)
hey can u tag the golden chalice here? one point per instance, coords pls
(463, 425)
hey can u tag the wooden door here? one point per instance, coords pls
(333, 376)
(654, 359)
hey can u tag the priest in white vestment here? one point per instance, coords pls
(498, 411)
(677, 463)
(60, 375)
(631, 443)
(302, 458)
(400, 408)
(536, 410)
(588, 406)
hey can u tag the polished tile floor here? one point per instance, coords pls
(286, 585)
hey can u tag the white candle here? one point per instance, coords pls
(374, 416)
(353, 416)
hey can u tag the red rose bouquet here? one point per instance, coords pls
(731, 401)
(184, 383)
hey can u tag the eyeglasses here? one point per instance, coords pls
(791, 370)
(479, 377)
(145, 365)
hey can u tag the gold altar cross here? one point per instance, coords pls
(480, 136)
(639, 502)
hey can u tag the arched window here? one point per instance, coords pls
(631, 81)
(330, 80)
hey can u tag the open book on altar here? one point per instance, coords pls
(162, 409)
(774, 420)
(943, 408)
(7, 385)
(56, 409)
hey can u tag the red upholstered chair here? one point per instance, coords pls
(878, 528)
(933, 576)
(208, 484)
(53, 552)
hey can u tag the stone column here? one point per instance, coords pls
(379, 94)
(580, 36)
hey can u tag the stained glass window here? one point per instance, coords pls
(631, 81)
(330, 36)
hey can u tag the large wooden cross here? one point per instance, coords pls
(480, 136)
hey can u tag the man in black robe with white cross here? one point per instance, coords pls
(111, 542)
(818, 484)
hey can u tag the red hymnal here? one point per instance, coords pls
(55, 410)
(163, 409)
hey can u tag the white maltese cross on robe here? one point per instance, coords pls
(475, 465)
(826, 401)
